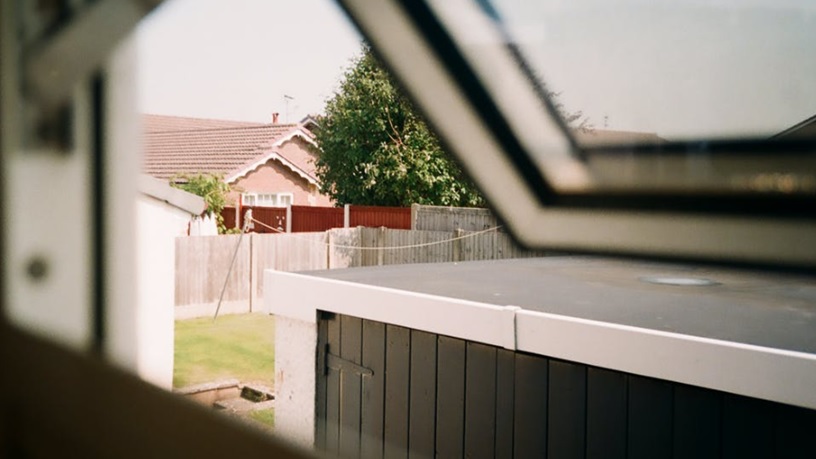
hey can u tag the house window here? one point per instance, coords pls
(267, 199)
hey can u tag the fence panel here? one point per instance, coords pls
(286, 252)
(375, 216)
(438, 218)
(419, 247)
(274, 217)
(309, 219)
(343, 246)
(202, 263)
(228, 214)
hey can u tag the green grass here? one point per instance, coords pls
(265, 417)
(234, 346)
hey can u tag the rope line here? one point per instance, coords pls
(402, 247)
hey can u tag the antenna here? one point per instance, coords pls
(286, 100)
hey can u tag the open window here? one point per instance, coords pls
(700, 178)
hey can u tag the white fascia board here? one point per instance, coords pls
(299, 296)
(297, 132)
(272, 155)
(754, 371)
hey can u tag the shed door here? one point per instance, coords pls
(388, 391)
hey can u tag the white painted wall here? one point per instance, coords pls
(203, 226)
(159, 224)
(295, 347)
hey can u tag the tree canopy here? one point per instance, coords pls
(377, 150)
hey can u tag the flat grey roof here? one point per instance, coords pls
(754, 307)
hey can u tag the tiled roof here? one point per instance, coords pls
(165, 123)
(188, 145)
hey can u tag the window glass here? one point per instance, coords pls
(636, 71)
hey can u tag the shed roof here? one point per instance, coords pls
(776, 310)
(161, 190)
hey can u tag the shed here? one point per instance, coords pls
(547, 357)
(163, 213)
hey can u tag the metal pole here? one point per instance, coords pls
(247, 226)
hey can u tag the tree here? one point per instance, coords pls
(377, 150)
(210, 187)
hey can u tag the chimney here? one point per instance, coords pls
(275, 118)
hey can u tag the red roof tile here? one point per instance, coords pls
(166, 123)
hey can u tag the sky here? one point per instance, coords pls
(237, 59)
(681, 69)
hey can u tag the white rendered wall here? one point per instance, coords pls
(204, 226)
(158, 226)
(295, 347)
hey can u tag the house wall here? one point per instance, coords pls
(159, 224)
(300, 152)
(274, 177)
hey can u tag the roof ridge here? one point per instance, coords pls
(220, 129)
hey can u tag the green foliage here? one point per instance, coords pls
(210, 187)
(377, 150)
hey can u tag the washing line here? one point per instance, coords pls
(402, 247)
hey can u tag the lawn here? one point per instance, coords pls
(234, 346)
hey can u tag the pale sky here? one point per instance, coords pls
(677, 68)
(237, 59)
(681, 68)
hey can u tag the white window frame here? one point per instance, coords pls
(281, 199)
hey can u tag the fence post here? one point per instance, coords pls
(289, 218)
(329, 248)
(346, 215)
(414, 214)
(457, 244)
(381, 245)
(253, 270)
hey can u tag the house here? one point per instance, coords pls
(163, 213)
(266, 164)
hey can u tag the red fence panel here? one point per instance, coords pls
(274, 217)
(371, 216)
(307, 218)
(228, 214)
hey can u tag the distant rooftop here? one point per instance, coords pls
(179, 145)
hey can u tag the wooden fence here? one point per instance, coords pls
(313, 218)
(388, 217)
(202, 262)
(438, 218)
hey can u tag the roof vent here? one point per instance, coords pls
(680, 281)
